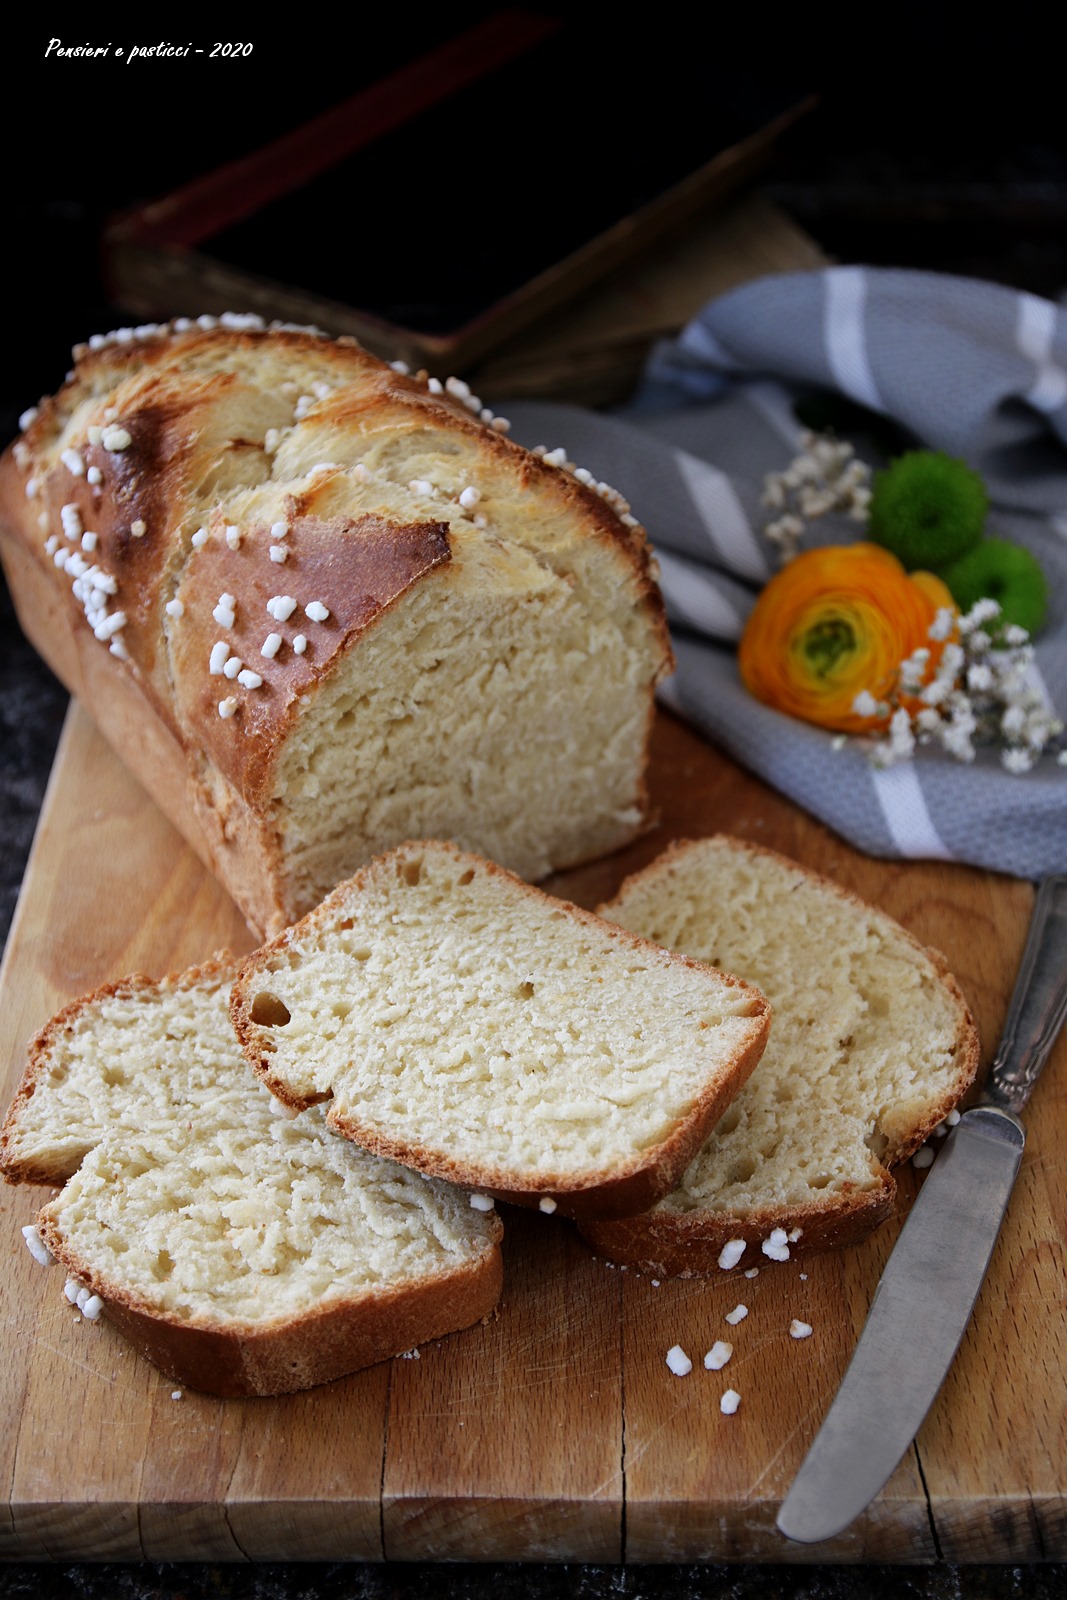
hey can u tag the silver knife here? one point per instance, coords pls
(933, 1276)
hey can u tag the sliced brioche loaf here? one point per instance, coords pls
(872, 1045)
(244, 1251)
(473, 1027)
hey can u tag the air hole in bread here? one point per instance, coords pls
(525, 991)
(741, 1171)
(411, 871)
(820, 1181)
(268, 1011)
(163, 1265)
(728, 1122)
(465, 878)
(876, 1142)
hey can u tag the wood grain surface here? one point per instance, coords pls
(556, 1431)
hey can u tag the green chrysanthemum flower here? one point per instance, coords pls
(1006, 573)
(928, 509)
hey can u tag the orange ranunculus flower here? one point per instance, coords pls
(832, 623)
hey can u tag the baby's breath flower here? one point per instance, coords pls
(981, 693)
(943, 624)
(826, 476)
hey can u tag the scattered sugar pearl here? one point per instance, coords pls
(94, 476)
(31, 488)
(71, 518)
(36, 1245)
(655, 1283)
(220, 654)
(483, 1202)
(718, 1355)
(952, 1118)
(729, 1402)
(175, 1394)
(794, 1234)
(279, 553)
(138, 529)
(678, 1361)
(227, 708)
(115, 437)
(73, 463)
(500, 425)
(738, 1314)
(110, 625)
(92, 1308)
(300, 644)
(803, 1277)
(51, 544)
(174, 608)
(435, 386)
(281, 607)
(777, 1246)
(233, 536)
(316, 611)
(89, 542)
(279, 530)
(29, 417)
(199, 538)
(731, 1253)
(420, 486)
(271, 645)
(95, 433)
(546, 1204)
(923, 1157)
(271, 440)
(232, 666)
(799, 1330)
(249, 679)
(401, 367)
(752, 1272)
(70, 1289)
(470, 497)
(224, 613)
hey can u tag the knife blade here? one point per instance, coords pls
(932, 1278)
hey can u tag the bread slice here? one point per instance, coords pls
(872, 1045)
(473, 1027)
(243, 1251)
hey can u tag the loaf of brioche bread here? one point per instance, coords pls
(460, 1021)
(320, 607)
(872, 1045)
(243, 1251)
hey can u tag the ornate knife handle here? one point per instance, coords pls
(1039, 1004)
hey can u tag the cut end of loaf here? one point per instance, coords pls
(872, 1045)
(472, 1026)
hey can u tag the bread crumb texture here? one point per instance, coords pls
(487, 1028)
(191, 1191)
(869, 1044)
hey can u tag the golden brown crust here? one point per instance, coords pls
(687, 1244)
(674, 1243)
(628, 1187)
(280, 1356)
(184, 399)
(364, 565)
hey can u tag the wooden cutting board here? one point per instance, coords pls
(556, 1431)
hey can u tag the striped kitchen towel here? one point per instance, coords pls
(971, 368)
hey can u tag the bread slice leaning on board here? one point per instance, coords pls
(243, 1251)
(871, 1046)
(320, 607)
(460, 1021)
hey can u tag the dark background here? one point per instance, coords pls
(936, 146)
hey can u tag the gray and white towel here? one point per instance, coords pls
(971, 368)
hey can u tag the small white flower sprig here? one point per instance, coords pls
(980, 694)
(826, 476)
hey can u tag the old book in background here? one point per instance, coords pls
(454, 201)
